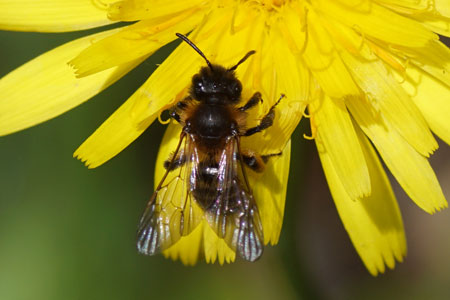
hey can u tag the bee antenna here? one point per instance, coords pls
(250, 53)
(184, 38)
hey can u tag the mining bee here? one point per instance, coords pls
(212, 184)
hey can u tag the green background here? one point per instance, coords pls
(67, 232)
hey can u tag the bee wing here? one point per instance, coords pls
(234, 215)
(171, 211)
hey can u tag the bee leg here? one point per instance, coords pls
(257, 162)
(266, 121)
(175, 116)
(254, 162)
(255, 99)
(171, 164)
(180, 106)
(266, 157)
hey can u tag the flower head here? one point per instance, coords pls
(372, 75)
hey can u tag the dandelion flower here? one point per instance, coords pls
(372, 75)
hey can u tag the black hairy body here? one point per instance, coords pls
(212, 165)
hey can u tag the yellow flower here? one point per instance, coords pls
(372, 74)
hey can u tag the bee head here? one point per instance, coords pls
(216, 85)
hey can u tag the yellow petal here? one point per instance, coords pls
(269, 190)
(433, 99)
(282, 73)
(440, 26)
(411, 8)
(325, 63)
(411, 169)
(373, 223)
(413, 4)
(132, 42)
(443, 7)
(132, 10)
(215, 248)
(46, 86)
(53, 15)
(434, 15)
(202, 241)
(188, 248)
(386, 94)
(434, 59)
(166, 82)
(293, 27)
(339, 141)
(370, 19)
(116, 133)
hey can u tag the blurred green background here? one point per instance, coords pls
(67, 232)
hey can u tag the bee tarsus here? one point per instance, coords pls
(266, 121)
(254, 100)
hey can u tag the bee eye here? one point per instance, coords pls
(235, 88)
(199, 87)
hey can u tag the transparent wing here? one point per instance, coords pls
(234, 215)
(171, 211)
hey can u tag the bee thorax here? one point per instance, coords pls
(211, 124)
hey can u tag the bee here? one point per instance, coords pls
(212, 183)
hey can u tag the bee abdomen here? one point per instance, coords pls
(205, 191)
